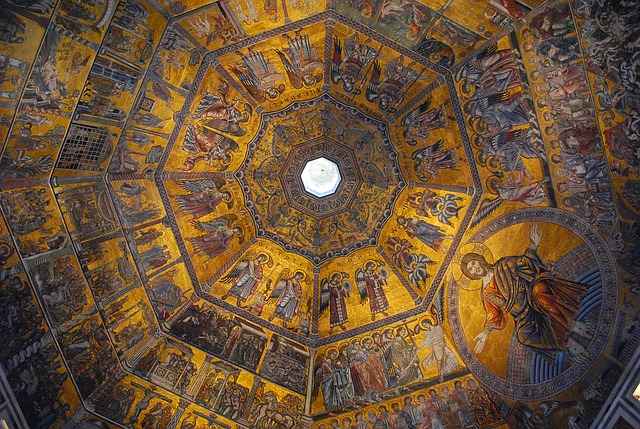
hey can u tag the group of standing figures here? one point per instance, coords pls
(581, 177)
(462, 405)
(362, 371)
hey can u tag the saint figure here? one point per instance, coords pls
(542, 305)
(431, 235)
(246, 277)
(203, 197)
(440, 355)
(222, 113)
(430, 160)
(334, 379)
(372, 280)
(420, 121)
(217, 237)
(334, 292)
(288, 290)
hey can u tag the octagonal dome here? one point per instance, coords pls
(339, 223)
(320, 177)
(210, 208)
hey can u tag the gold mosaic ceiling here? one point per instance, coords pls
(151, 185)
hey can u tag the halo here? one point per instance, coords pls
(330, 350)
(398, 329)
(492, 184)
(456, 270)
(474, 247)
(423, 321)
(333, 274)
(373, 261)
(269, 259)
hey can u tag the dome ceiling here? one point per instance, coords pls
(320, 228)
(298, 213)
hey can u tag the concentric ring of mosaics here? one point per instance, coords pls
(312, 214)
(336, 224)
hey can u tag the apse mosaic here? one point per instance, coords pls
(331, 214)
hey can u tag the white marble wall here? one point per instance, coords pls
(10, 414)
(622, 410)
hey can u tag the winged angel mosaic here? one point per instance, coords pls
(247, 279)
(355, 64)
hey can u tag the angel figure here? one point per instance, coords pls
(214, 26)
(288, 291)
(489, 72)
(429, 160)
(221, 113)
(372, 280)
(542, 305)
(388, 91)
(407, 260)
(371, 173)
(431, 235)
(301, 61)
(421, 120)
(248, 16)
(205, 195)
(259, 76)
(207, 145)
(334, 291)
(246, 277)
(508, 190)
(512, 181)
(219, 232)
(352, 68)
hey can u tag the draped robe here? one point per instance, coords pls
(542, 305)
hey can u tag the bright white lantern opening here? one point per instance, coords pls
(320, 177)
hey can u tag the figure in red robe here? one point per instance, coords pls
(223, 113)
(420, 121)
(334, 292)
(204, 144)
(217, 237)
(203, 197)
(372, 280)
(491, 72)
(542, 306)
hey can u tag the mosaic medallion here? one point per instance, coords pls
(552, 326)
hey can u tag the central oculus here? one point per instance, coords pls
(320, 177)
(325, 188)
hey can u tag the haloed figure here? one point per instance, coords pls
(288, 290)
(333, 296)
(246, 278)
(542, 305)
(372, 281)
